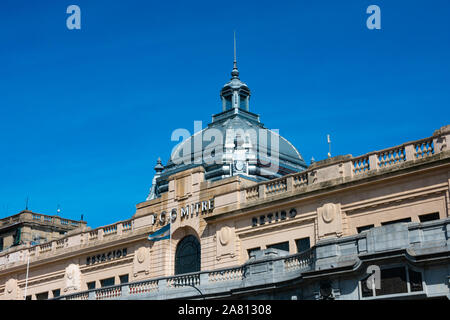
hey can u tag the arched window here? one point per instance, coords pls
(187, 255)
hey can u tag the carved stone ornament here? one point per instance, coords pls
(72, 278)
(140, 255)
(12, 290)
(224, 235)
(11, 285)
(329, 212)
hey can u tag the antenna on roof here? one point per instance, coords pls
(26, 204)
(234, 37)
(329, 146)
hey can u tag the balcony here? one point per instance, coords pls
(270, 265)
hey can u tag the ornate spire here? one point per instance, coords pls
(153, 194)
(235, 94)
(235, 72)
(159, 167)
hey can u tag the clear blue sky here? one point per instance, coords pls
(84, 114)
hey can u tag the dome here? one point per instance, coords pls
(234, 143)
(262, 142)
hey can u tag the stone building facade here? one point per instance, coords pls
(30, 228)
(308, 234)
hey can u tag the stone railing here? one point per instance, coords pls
(360, 165)
(61, 243)
(229, 274)
(271, 267)
(37, 217)
(275, 186)
(57, 245)
(299, 261)
(93, 235)
(143, 287)
(252, 193)
(110, 230)
(424, 148)
(108, 293)
(46, 247)
(348, 167)
(79, 296)
(300, 180)
(127, 226)
(184, 280)
(283, 267)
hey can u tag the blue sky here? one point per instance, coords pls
(84, 114)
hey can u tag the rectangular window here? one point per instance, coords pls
(107, 282)
(17, 237)
(123, 278)
(302, 244)
(415, 280)
(282, 246)
(56, 293)
(395, 221)
(1, 244)
(242, 102)
(429, 217)
(228, 103)
(42, 296)
(393, 280)
(252, 250)
(364, 228)
(366, 292)
(28, 298)
(91, 285)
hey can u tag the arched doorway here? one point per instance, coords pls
(187, 255)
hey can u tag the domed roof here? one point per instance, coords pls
(234, 143)
(265, 144)
(235, 83)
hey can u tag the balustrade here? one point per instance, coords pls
(45, 247)
(107, 293)
(299, 261)
(252, 193)
(300, 180)
(184, 280)
(226, 275)
(391, 157)
(277, 186)
(361, 165)
(93, 235)
(424, 148)
(109, 230)
(78, 296)
(143, 287)
(60, 243)
(126, 226)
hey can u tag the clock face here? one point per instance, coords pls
(239, 165)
